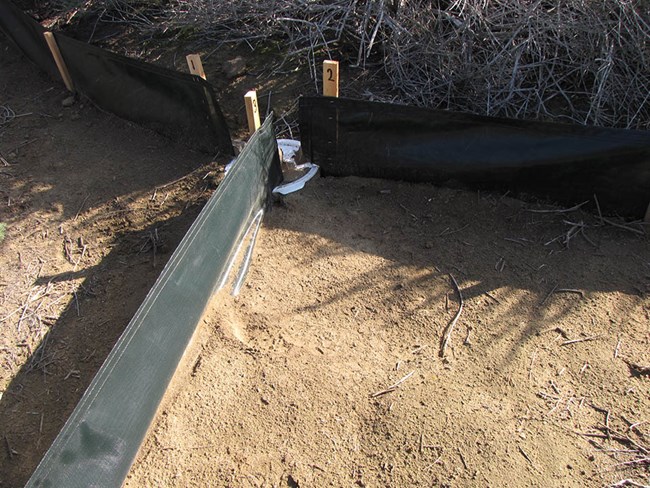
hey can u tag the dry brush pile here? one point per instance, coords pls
(586, 61)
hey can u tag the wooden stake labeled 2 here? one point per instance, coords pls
(195, 65)
(331, 78)
(58, 59)
(252, 111)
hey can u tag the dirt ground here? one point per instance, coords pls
(349, 293)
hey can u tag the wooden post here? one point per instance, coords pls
(58, 59)
(195, 65)
(252, 111)
(331, 78)
(647, 215)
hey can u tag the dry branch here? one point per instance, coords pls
(394, 386)
(576, 341)
(448, 330)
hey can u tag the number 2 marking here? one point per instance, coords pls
(330, 73)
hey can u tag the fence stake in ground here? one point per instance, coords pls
(58, 59)
(331, 78)
(195, 65)
(252, 111)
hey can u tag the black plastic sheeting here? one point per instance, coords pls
(562, 163)
(178, 105)
(27, 34)
(100, 440)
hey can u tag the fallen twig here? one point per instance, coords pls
(600, 214)
(394, 386)
(523, 453)
(549, 294)
(447, 232)
(559, 210)
(487, 293)
(617, 348)
(582, 339)
(530, 368)
(448, 330)
(10, 451)
(81, 208)
(570, 290)
(462, 458)
(623, 226)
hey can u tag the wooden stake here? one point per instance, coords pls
(195, 65)
(58, 59)
(252, 111)
(647, 215)
(331, 78)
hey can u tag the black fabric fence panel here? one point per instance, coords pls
(178, 105)
(561, 163)
(27, 34)
(100, 440)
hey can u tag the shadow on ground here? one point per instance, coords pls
(77, 178)
(516, 273)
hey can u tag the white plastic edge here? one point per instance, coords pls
(298, 184)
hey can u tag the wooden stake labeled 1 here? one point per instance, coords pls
(331, 78)
(58, 59)
(195, 65)
(252, 111)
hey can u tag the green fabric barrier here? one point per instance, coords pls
(100, 440)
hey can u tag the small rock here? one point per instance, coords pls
(234, 67)
(68, 102)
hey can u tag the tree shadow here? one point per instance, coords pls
(516, 277)
(47, 388)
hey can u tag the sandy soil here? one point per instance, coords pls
(350, 292)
